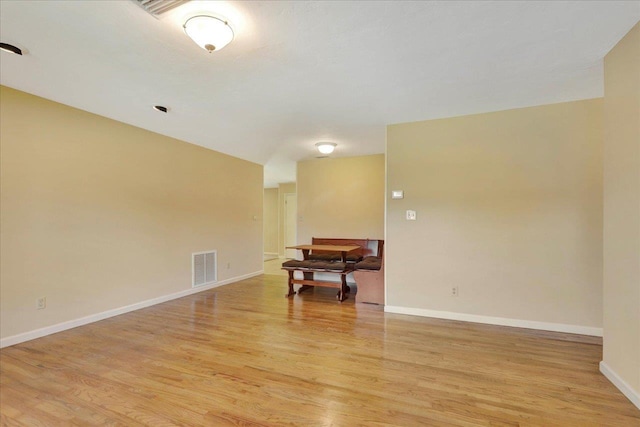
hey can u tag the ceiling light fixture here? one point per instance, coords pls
(10, 48)
(326, 147)
(208, 32)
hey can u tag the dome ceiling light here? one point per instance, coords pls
(210, 33)
(326, 147)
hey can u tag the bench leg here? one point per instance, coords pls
(291, 291)
(308, 275)
(304, 288)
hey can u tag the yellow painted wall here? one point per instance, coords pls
(509, 209)
(341, 198)
(97, 214)
(270, 221)
(622, 210)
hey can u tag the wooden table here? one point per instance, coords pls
(344, 249)
(308, 281)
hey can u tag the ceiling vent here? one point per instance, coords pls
(158, 7)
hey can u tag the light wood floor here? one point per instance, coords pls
(243, 354)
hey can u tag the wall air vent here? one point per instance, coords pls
(204, 268)
(158, 7)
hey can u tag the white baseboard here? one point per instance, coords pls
(502, 321)
(268, 256)
(48, 330)
(630, 393)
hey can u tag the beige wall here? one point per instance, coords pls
(97, 214)
(509, 209)
(341, 197)
(622, 210)
(270, 221)
(284, 188)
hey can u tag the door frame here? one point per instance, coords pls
(290, 253)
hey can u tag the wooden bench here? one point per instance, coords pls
(327, 260)
(369, 277)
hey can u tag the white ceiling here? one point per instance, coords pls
(299, 72)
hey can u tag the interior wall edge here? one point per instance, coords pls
(70, 324)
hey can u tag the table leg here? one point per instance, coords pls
(344, 289)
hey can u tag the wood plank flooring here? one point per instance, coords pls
(244, 355)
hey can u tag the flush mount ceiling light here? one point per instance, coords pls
(10, 48)
(326, 147)
(208, 32)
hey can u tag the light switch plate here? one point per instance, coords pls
(411, 215)
(397, 194)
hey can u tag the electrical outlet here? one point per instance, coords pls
(454, 291)
(41, 303)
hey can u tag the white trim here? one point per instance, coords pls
(48, 330)
(386, 213)
(295, 237)
(621, 384)
(502, 321)
(269, 256)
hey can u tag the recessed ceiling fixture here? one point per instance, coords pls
(160, 108)
(326, 147)
(10, 48)
(208, 32)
